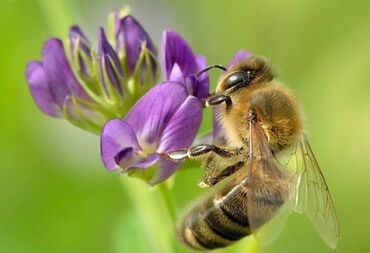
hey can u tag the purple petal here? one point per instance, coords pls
(134, 35)
(105, 48)
(183, 126)
(116, 136)
(176, 50)
(167, 168)
(240, 55)
(40, 89)
(60, 77)
(109, 63)
(202, 89)
(191, 83)
(176, 74)
(201, 62)
(78, 39)
(124, 155)
(153, 111)
(142, 162)
(129, 159)
(76, 35)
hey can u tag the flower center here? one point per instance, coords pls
(147, 149)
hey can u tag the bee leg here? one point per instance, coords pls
(199, 151)
(177, 155)
(252, 115)
(218, 99)
(204, 149)
(228, 171)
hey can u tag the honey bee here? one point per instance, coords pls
(266, 160)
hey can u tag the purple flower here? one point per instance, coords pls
(52, 81)
(165, 119)
(89, 87)
(180, 64)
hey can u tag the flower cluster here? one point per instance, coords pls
(103, 91)
(167, 118)
(88, 87)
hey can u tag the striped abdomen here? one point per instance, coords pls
(218, 221)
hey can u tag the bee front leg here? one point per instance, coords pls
(199, 151)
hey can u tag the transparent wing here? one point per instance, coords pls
(312, 195)
(270, 188)
(292, 160)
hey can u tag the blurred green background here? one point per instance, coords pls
(56, 196)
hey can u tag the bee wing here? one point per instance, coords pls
(313, 196)
(293, 161)
(270, 188)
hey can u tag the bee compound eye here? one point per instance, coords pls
(237, 78)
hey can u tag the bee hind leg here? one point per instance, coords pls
(228, 171)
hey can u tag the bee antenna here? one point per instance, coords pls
(217, 66)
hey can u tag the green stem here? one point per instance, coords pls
(167, 200)
(144, 202)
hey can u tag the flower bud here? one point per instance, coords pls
(111, 73)
(80, 48)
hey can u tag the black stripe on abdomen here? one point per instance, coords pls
(202, 234)
(234, 206)
(216, 224)
(222, 225)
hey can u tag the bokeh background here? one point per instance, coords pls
(56, 196)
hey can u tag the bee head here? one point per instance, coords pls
(245, 73)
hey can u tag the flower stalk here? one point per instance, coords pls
(167, 199)
(146, 205)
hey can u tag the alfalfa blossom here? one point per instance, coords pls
(167, 118)
(89, 86)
